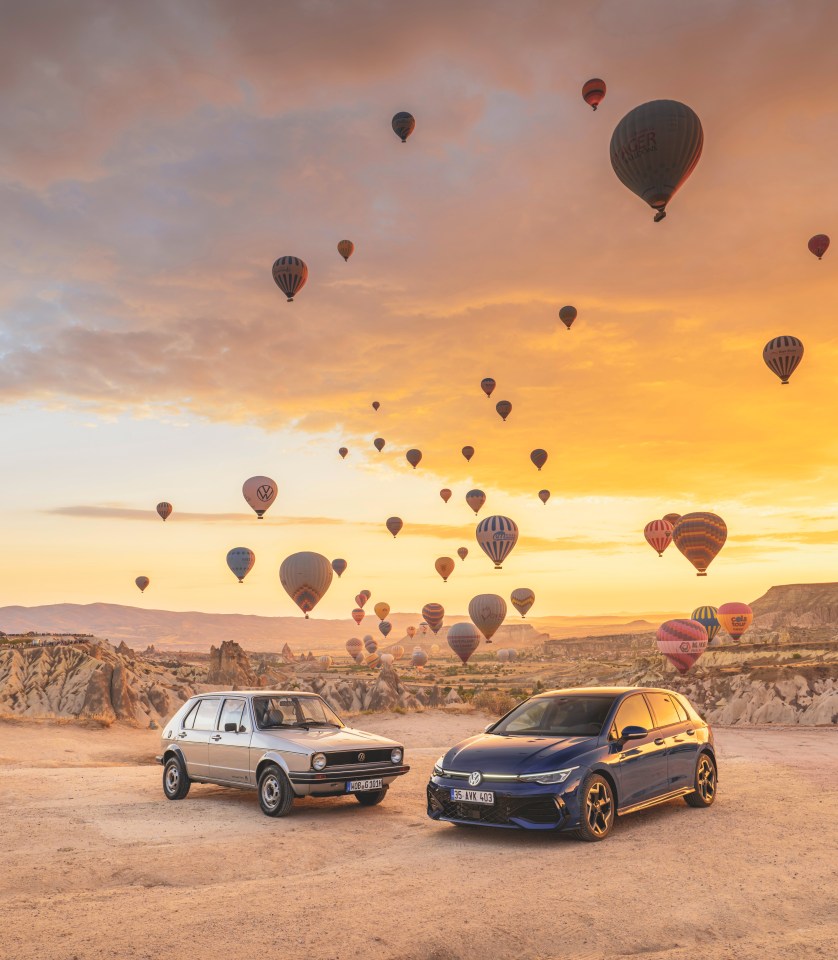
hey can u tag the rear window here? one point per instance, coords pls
(205, 717)
(664, 709)
(189, 719)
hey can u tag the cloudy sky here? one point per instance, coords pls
(157, 157)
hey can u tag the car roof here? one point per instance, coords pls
(254, 693)
(601, 691)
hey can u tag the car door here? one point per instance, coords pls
(642, 763)
(229, 750)
(193, 737)
(678, 732)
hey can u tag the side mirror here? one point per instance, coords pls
(634, 733)
(231, 728)
(488, 728)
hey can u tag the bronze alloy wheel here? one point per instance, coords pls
(706, 779)
(599, 808)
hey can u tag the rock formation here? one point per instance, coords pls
(230, 665)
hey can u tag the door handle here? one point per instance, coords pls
(182, 734)
(691, 732)
(677, 740)
(216, 737)
(659, 742)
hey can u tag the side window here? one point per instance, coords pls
(633, 713)
(231, 712)
(189, 719)
(205, 717)
(681, 710)
(664, 709)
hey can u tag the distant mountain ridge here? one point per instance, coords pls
(797, 605)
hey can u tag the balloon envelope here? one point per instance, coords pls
(381, 610)
(735, 618)
(445, 493)
(325, 661)
(700, 536)
(419, 658)
(354, 647)
(343, 452)
(378, 443)
(487, 385)
(658, 534)
(544, 495)
(673, 518)
(468, 452)
(522, 599)
(413, 457)
(366, 594)
(394, 524)
(432, 614)
(375, 404)
(404, 124)
(164, 509)
(819, 244)
(142, 583)
(370, 644)
(346, 248)
(463, 639)
(539, 458)
(708, 617)
(497, 536)
(782, 356)
(462, 552)
(385, 627)
(411, 632)
(339, 566)
(503, 656)
(361, 598)
(475, 499)
(593, 92)
(260, 493)
(487, 612)
(306, 577)
(240, 560)
(358, 615)
(290, 275)
(504, 408)
(682, 642)
(444, 567)
(567, 315)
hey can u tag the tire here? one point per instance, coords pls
(176, 782)
(371, 798)
(598, 809)
(704, 782)
(275, 794)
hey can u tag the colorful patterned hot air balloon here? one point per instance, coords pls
(708, 617)
(375, 405)
(381, 610)
(463, 639)
(403, 125)
(339, 566)
(593, 92)
(343, 452)
(164, 510)
(658, 534)
(468, 452)
(361, 599)
(354, 647)
(735, 618)
(504, 408)
(673, 518)
(142, 583)
(378, 443)
(260, 493)
(497, 536)
(432, 614)
(411, 632)
(397, 651)
(782, 356)
(366, 594)
(819, 244)
(419, 658)
(700, 536)
(385, 627)
(444, 567)
(462, 552)
(290, 275)
(373, 660)
(539, 458)
(567, 315)
(306, 577)
(370, 645)
(445, 493)
(544, 496)
(394, 524)
(655, 148)
(325, 661)
(487, 385)
(240, 560)
(413, 457)
(487, 612)
(358, 615)
(346, 248)
(475, 499)
(522, 599)
(682, 642)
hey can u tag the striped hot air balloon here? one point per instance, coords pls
(164, 510)
(673, 518)
(325, 661)
(385, 627)
(567, 315)
(487, 612)
(403, 124)
(522, 599)
(708, 617)
(658, 534)
(306, 577)
(593, 92)
(463, 639)
(497, 536)
(539, 458)
(700, 536)
(361, 598)
(240, 560)
(432, 614)
(782, 356)
(339, 566)
(358, 615)
(354, 647)
(366, 594)
(819, 244)
(346, 248)
(475, 499)
(735, 618)
(370, 645)
(682, 642)
(290, 275)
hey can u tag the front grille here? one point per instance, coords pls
(348, 757)
(541, 810)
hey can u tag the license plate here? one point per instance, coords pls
(473, 796)
(361, 786)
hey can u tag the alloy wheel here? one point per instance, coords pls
(599, 809)
(706, 779)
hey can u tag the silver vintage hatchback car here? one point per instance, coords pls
(285, 744)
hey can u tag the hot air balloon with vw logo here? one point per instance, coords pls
(260, 493)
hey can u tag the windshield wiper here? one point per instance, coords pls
(322, 723)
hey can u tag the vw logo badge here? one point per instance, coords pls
(361, 757)
(475, 778)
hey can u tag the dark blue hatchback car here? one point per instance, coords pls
(577, 759)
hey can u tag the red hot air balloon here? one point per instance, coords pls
(673, 518)
(343, 452)
(782, 356)
(475, 499)
(375, 405)
(378, 443)
(468, 452)
(361, 599)
(462, 552)
(658, 534)
(404, 124)
(819, 244)
(358, 615)
(164, 510)
(682, 642)
(346, 248)
(544, 495)
(432, 614)
(735, 618)
(593, 92)
(567, 315)
(700, 536)
(366, 594)
(394, 524)
(504, 408)
(445, 493)
(463, 639)
(487, 385)
(444, 567)
(655, 148)
(413, 457)
(339, 566)
(290, 275)
(539, 458)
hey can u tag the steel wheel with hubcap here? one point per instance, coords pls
(705, 782)
(596, 817)
(176, 782)
(275, 793)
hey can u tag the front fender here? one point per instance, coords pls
(272, 756)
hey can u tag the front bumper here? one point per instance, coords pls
(331, 783)
(517, 806)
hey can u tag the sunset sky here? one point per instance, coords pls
(157, 157)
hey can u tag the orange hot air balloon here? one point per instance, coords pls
(462, 552)
(411, 632)
(444, 567)
(682, 642)
(346, 248)
(544, 495)
(819, 244)
(413, 457)
(673, 518)
(468, 452)
(445, 493)
(375, 405)
(394, 524)
(567, 315)
(378, 443)
(358, 615)
(164, 510)
(658, 534)
(593, 92)
(381, 610)
(475, 499)
(487, 385)
(735, 618)
(343, 452)
(539, 458)
(700, 536)
(504, 408)
(782, 355)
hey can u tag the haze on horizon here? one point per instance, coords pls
(157, 158)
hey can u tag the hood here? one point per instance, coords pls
(328, 738)
(491, 753)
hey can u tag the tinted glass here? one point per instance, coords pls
(189, 719)
(205, 717)
(571, 716)
(633, 713)
(682, 710)
(664, 708)
(231, 712)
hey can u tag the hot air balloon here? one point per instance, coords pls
(403, 125)
(369, 644)
(306, 577)
(593, 92)
(682, 642)
(504, 408)
(354, 647)
(413, 457)
(411, 632)
(463, 639)
(475, 499)
(361, 598)
(385, 627)
(343, 452)
(260, 493)
(432, 614)
(487, 612)
(346, 248)
(165, 510)
(375, 405)
(522, 599)
(487, 385)
(240, 560)
(544, 496)
(394, 524)
(700, 536)
(654, 148)
(381, 610)
(468, 452)
(567, 315)
(372, 660)
(435, 649)
(819, 244)
(142, 583)
(378, 443)
(513, 654)
(339, 566)
(673, 518)
(735, 618)
(419, 658)
(358, 615)
(325, 661)
(445, 493)
(658, 534)
(782, 355)
(397, 652)
(462, 552)
(366, 594)
(387, 659)
(539, 458)
(708, 617)
(497, 536)
(444, 567)
(503, 656)
(290, 275)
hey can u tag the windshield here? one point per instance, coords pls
(571, 716)
(289, 711)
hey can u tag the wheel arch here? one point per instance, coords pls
(606, 774)
(271, 757)
(173, 751)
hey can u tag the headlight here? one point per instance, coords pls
(438, 769)
(552, 776)
(318, 761)
(396, 755)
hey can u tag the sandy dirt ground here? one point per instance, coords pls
(95, 863)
